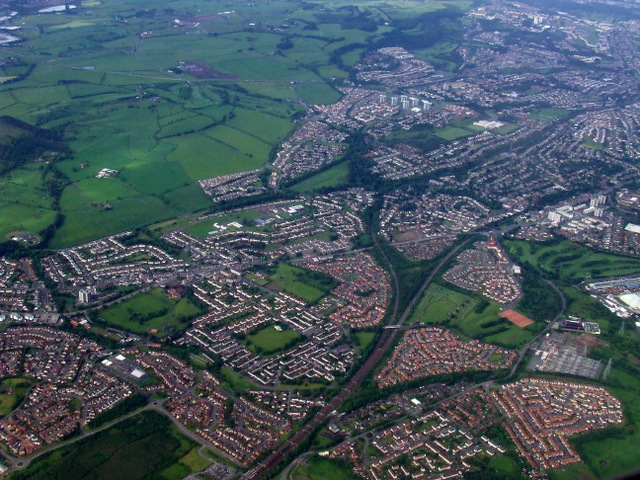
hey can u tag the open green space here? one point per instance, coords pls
(570, 262)
(452, 133)
(235, 383)
(548, 114)
(317, 93)
(194, 461)
(323, 468)
(589, 142)
(144, 446)
(504, 466)
(269, 340)
(151, 310)
(540, 301)
(582, 305)
(305, 284)
(12, 391)
(364, 339)
(422, 137)
(332, 177)
(202, 229)
(471, 314)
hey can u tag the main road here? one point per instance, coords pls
(384, 342)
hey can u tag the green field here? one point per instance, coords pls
(25, 202)
(317, 93)
(268, 341)
(569, 261)
(322, 469)
(152, 310)
(202, 229)
(470, 314)
(334, 176)
(585, 306)
(592, 144)
(122, 100)
(305, 284)
(364, 339)
(235, 383)
(548, 114)
(12, 391)
(145, 446)
(452, 133)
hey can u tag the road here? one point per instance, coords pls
(384, 342)
(23, 462)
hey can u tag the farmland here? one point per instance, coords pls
(136, 103)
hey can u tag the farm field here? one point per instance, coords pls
(144, 446)
(126, 102)
(151, 311)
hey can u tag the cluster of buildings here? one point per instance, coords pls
(339, 113)
(542, 414)
(106, 173)
(69, 389)
(594, 220)
(439, 444)
(312, 145)
(21, 290)
(564, 353)
(486, 268)
(109, 263)
(388, 409)
(539, 415)
(364, 286)
(432, 351)
(321, 355)
(423, 226)
(408, 70)
(323, 226)
(232, 186)
(425, 249)
(620, 295)
(295, 160)
(240, 429)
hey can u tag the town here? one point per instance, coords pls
(397, 288)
